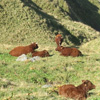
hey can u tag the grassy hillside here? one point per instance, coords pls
(26, 21)
(86, 11)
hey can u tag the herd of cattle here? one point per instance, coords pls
(69, 91)
(65, 51)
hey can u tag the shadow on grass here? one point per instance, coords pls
(97, 59)
(84, 11)
(1, 7)
(91, 93)
(52, 22)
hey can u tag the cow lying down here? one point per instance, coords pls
(76, 93)
(17, 51)
(43, 53)
(67, 51)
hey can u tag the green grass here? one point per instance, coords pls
(24, 80)
(26, 21)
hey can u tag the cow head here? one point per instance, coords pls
(34, 45)
(88, 85)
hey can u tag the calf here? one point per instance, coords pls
(76, 93)
(17, 51)
(58, 39)
(43, 53)
(67, 51)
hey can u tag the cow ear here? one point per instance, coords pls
(83, 81)
(36, 43)
(85, 84)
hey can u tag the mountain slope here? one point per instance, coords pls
(85, 11)
(25, 21)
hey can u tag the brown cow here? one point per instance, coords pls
(17, 51)
(67, 51)
(76, 93)
(58, 39)
(43, 53)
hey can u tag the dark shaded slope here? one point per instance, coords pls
(84, 11)
(52, 22)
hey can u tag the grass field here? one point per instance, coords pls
(25, 80)
(26, 21)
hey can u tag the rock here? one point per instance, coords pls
(34, 58)
(46, 86)
(23, 57)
